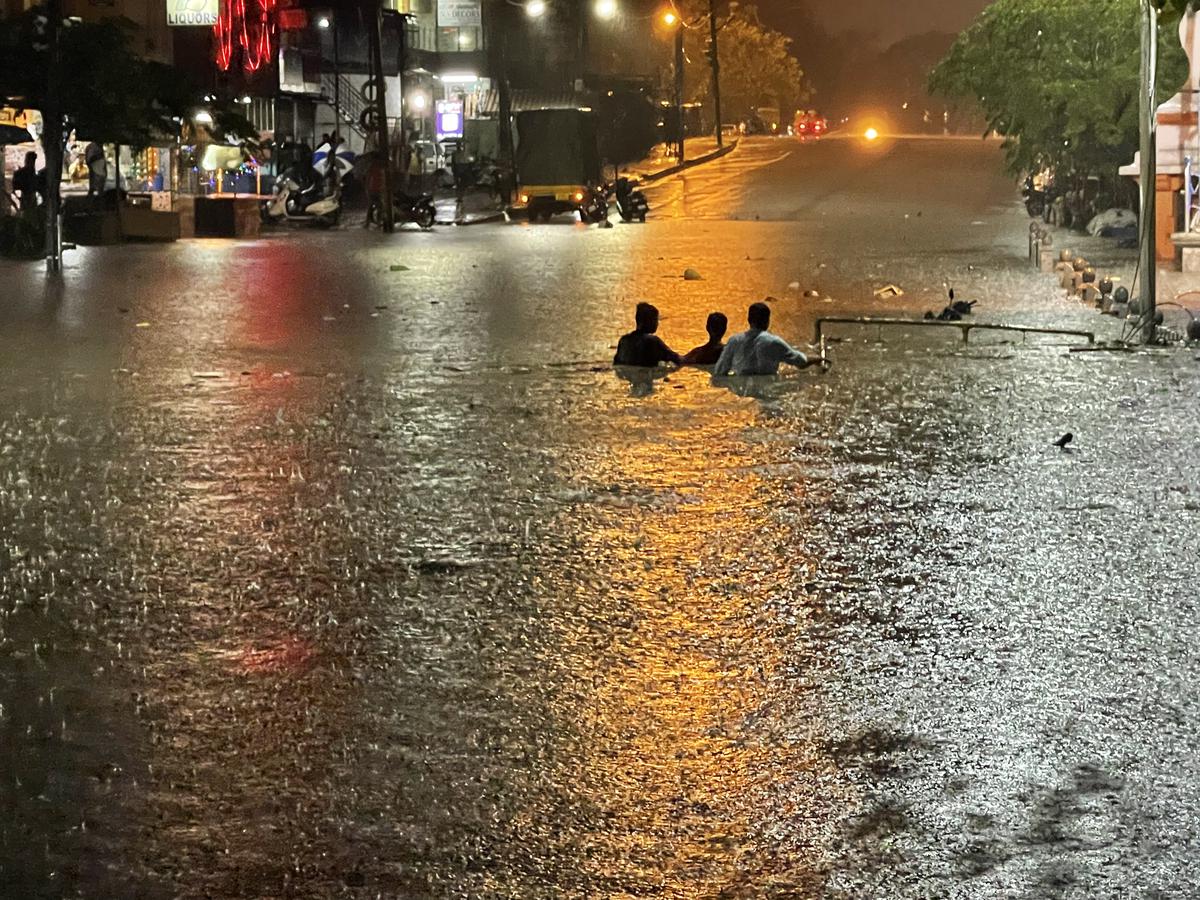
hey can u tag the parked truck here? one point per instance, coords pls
(558, 165)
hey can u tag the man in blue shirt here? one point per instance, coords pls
(757, 351)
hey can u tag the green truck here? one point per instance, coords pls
(558, 165)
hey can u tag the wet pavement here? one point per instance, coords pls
(342, 565)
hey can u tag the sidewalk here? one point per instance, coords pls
(1120, 264)
(658, 164)
(478, 207)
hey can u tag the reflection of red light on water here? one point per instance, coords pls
(289, 655)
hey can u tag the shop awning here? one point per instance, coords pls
(523, 100)
(12, 134)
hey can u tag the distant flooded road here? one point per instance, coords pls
(342, 565)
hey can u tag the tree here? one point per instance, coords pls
(107, 92)
(757, 65)
(1058, 79)
(628, 126)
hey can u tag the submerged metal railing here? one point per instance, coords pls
(965, 326)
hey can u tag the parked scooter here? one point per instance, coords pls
(312, 192)
(631, 203)
(301, 199)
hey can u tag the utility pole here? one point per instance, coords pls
(337, 81)
(715, 62)
(375, 35)
(496, 37)
(679, 84)
(52, 134)
(1149, 176)
(584, 46)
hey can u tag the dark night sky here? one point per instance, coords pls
(887, 20)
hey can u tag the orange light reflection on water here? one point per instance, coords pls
(676, 717)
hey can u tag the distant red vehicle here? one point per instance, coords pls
(809, 124)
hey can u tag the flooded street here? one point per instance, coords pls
(343, 565)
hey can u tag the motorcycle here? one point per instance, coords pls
(405, 208)
(594, 208)
(489, 178)
(631, 203)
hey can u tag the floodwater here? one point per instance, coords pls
(340, 565)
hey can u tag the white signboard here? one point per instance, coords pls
(193, 12)
(458, 13)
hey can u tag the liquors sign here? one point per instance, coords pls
(193, 12)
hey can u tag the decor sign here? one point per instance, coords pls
(458, 14)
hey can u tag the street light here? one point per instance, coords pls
(672, 20)
(535, 9)
(325, 21)
(605, 9)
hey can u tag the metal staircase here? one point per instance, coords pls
(350, 100)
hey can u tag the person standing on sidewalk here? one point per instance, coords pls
(26, 183)
(97, 165)
(460, 167)
(415, 180)
(375, 185)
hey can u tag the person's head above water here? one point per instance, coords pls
(646, 317)
(716, 326)
(759, 316)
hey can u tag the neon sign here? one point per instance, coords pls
(245, 28)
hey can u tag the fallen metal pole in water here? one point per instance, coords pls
(965, 327)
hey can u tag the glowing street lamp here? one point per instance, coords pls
(605, 9)
(535, 9)
(671, 19)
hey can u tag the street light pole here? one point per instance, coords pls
(495, 31)
(1149, 175)
(375, 36)
(52, 136)
(679, 86)
(337, 83)
(584, 47)
(715, 62)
